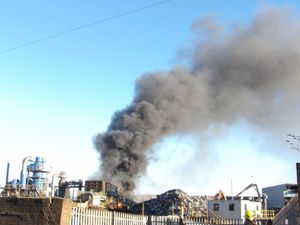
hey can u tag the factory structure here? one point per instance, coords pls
(35, 196)
(280, 195)
(34, 181)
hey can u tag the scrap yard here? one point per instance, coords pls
(150, 112)
(24, 198)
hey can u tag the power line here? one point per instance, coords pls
(84, 26)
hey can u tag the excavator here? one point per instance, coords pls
(250, 186)
(262, 214)
(221, 195)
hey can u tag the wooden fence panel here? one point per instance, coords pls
(288, 214)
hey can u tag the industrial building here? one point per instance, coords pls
(34, 182)
(35, 199)
(232, 208)
(279, 195)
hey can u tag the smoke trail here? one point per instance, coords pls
(250, 73)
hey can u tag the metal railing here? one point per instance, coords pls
(266, 214)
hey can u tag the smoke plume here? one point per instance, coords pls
(249, 72)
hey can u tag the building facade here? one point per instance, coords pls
(232, 209)
(279, 195)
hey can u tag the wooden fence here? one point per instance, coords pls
(88, 216)
(288, 214)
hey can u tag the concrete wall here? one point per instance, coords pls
(35, 211)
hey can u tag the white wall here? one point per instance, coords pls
(240, 206)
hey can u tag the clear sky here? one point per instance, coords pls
(57, 94)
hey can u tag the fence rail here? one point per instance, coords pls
(89, 216)
(288, 214)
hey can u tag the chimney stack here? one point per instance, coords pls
(7, 174)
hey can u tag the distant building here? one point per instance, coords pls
(278, 195)
(232, 209)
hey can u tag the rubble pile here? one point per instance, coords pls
(174, 202)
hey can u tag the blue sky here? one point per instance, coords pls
(57, 94)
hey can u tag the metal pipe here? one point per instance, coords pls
(23, 179)
(52, 184)
(7, 174)
(231, 187)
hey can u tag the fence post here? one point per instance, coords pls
(298, 190)
(113, 218)
(181, 221)
(149, 221)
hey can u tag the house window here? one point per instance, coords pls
(216, 207)
(231, 206)
(245, 207)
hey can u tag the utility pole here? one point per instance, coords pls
(231, 188)
(298, 186)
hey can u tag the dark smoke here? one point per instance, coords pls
(250, 72)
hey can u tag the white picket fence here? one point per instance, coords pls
(89, 216)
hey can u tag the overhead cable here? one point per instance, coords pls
(74, 29)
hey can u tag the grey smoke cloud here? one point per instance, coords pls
(251, 72)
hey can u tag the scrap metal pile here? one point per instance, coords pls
(174, 202)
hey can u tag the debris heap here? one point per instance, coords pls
(174, 202)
